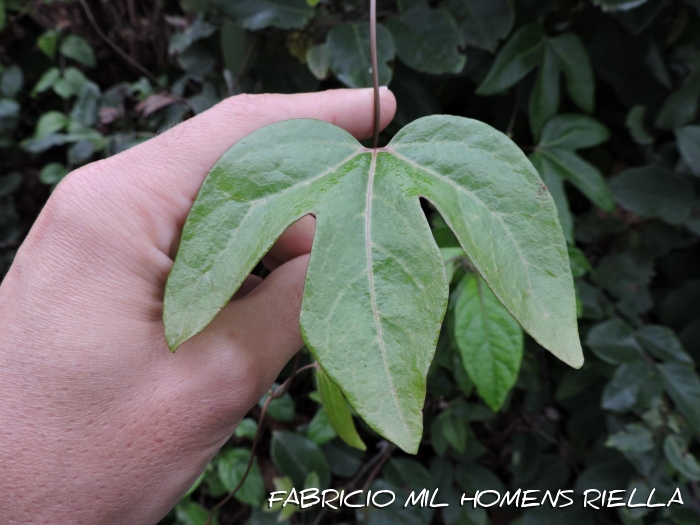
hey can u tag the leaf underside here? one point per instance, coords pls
(376, 289)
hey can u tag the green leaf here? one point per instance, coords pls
(517, 58)
(70, 84)
(622, 392)
(614, 342)
(338, 412)
(48, 42)
(3, 15)
(297, 456)
(578, 73)
(555, 184)
(428, 40)
(231, 466)
(348, 53)
(544, 99)
(320, 429)
(281, 409)
(234, 46)
(688, 140)
(483, 23)
(51, 122)
(489, 339)
(663, 343)
(198, 30)
(681, 106)
(652, 191)
(259, 14)
(190, 513)
(47, 80)
(683, 386)
(676, 451)
(319, 61)
(573, 132)
(633, 438)
(11, 81)
(586, 177)
(78, 49)
(373, 300)
(247, 428)
(451, 428)
(87, 105)
(635, 125)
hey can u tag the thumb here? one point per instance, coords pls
(254, 337)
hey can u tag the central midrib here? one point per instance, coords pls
(370, 273)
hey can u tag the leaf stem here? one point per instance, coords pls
(375, 69)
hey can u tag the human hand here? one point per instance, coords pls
(99, 422)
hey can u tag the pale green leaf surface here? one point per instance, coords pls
(489, 339)
(337, 410)
(318, 60)
(348, 53)
(376, 289)
(428, 40)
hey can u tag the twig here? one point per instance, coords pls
(375, 69)
(383, 447)
(114, 46)
(382, 460)
(278, 392)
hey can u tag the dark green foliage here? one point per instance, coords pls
(603, 97)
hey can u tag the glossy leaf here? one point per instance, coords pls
(489, 339)
(428, 40)
(259, 14)
(654, 192)
(297, 457)
(374, 298)
(348, 54)
(337, 410)
(517, 58)
(483, 23)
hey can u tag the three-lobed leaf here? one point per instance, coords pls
(376, 289)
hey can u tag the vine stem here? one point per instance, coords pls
(278, 392)
(115, 47)
(375, 69)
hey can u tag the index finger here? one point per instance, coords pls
(162, 176)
